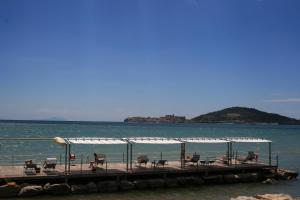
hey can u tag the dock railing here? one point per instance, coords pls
(120, 157)
(19, 159)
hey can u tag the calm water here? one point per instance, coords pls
(286, 144)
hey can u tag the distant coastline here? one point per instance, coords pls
(165, 119)
(55, 122)
(233, 115)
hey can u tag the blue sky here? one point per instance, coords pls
(106, 60)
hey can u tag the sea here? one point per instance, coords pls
(285, 145)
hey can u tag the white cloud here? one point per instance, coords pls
(285, 100)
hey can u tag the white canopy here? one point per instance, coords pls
(248, 140)
(203, 140)
(59, 140)
(153, 140)
(96, 140)
(157, 140)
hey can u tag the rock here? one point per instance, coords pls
(171, 182)
(231, 178)
(285, 174)
(270, 181)
(57, 189)
(189, 180)
(181, 181)
(79, 189)
(198, 181)
(30, 191)
(9, 190)
(254, 177)
(274, 197)
(248, 177)
(244, 198)
(156, 183)
(265, 197)
(141, 184)
(193, 180)
(270, 176)
(92, 187)
(126, 185)
(107, 186)
(24, 185)
(46, 186)
(213, 179)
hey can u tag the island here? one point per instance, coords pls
(228, 115)
(165, 119)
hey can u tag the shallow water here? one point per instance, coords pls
(286, 144)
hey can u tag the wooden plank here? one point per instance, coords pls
(116, 169)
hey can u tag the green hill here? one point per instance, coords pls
(243, 115)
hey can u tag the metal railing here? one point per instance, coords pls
(121, 157)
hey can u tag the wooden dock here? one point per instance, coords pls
(117, 171)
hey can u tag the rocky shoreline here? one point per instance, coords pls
(12, 189)
(266, 197)
(27, 190)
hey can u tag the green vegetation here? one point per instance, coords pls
(243, 115)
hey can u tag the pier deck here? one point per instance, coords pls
(116, 170)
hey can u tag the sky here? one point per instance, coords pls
(107, 60)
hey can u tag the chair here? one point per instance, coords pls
(194, 159)
(50, 163)
(250, 157)
(72, 157)
(99, 158)
(223, 159)
(142, 159)
(161, 163)
(29, 165)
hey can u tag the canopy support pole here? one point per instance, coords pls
(182, 155)
(66, 162)
(270, 154)
(66, 152)
(130, 156)
(69, 161)
(231, 153)
(127, 156)
(228, 159)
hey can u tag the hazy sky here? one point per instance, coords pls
(107, 59)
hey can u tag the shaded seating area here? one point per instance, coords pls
(196, 158)
(98, 158)
(142, 159)
(149, 141)
(50, 163)
(183, 142)
(192, 159)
